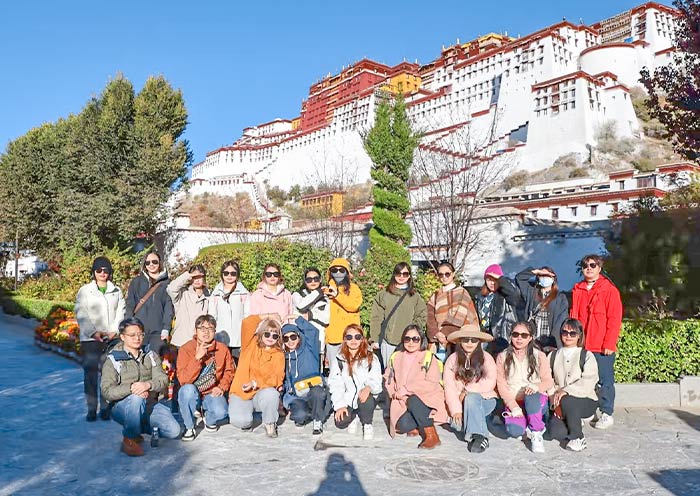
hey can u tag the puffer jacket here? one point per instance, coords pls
(157, 313)
(229, 313)
(188, 306)
(304, 362)
(121, 370)
(344, 388)
(97, 312)
(345, 308)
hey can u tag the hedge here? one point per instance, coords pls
(33, 308)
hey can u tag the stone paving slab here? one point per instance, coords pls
(46, 447)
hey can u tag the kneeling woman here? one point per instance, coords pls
(132, 381)
(304, 392)
(258, 379)
(575, 377)
(355, 379)
(470, 385)
(523, 378)
(414, 384)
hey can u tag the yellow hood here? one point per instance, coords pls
(338, 262)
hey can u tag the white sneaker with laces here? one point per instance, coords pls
(317, 428)
(367, 432)
(352, 428)
(577, 444)
(536, 441)
(189, 435)
(604, 421)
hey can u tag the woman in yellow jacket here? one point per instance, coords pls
(346, 298)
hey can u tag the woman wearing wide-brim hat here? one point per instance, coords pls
(470, 385)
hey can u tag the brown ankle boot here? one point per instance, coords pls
(413, 433)
(131, 447)
(430, 438)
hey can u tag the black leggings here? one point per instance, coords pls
(364, 410)
(417, 416)
(573, 409)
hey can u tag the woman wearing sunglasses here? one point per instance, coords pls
(523, 377)
(99, 307)
(355, 379)
(573, 396)
(346, 299)
(497, 304)
(393, 309)
(304, 392)
(449, 308)
(228, 305)
(413, 380)
(470, 385)
(258, 379)
(311, 302)
(271, 300)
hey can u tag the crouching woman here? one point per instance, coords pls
(258, 379)
(413, 381)
(470, 385)
(132, 381)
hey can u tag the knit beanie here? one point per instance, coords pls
(494, 269)
(102, 263)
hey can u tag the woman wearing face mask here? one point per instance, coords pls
(258, 378)
(497, 305)
(312, 303)
(271, 300)
(413, 381)
(449, 308)
(148, 300)
(544, 305)
(191, 299)
(346, 299)
(228, 305)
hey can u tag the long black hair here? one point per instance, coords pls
(423, 338)
(531, 360)
(399, 267)
(303, 280)
(469, 369)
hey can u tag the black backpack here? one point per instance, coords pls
(581, 359)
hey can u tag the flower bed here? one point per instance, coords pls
(59, 333)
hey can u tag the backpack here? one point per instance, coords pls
(427, 359)
(581, 359)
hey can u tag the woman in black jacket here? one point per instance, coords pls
(156, 311)
(497, 304)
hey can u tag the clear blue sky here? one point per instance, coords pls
(238, 63)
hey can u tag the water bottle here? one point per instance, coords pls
(155, 435)
(441, 353)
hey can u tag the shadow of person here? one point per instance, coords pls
(341, 478)
(689, 418)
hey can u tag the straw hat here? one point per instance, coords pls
(469, 331)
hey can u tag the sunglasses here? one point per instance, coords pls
(444, 274)
(291, 337)
(523, 335)
(572, 334)
(155, 261)
(408, 339)
(336, 270)
(356, 337)
(101, 270)
(469, 340)
(313, 279)
(229, 273)
(273, 335)
(402, 274)
(589, 265)
(272, 274)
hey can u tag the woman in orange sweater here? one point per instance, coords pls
(258, 379)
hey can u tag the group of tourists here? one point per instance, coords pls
(518, 357)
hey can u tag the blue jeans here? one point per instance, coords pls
(310, 407)
(131, 413)
(189, 400)
(606, 382)
(474, 412)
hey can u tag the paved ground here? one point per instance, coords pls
(46, 447)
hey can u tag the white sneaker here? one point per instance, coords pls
(352, 428)
(604, 421)
(577, 444)
(318, 428)
(536, 441)
(189, 435)
(367, 432)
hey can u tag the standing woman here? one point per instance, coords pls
(573, 396)
(312, 303)
(523, 379)
(449, 308)
(228, 305)
(470, 385)
(497, 304)
(258, 379)
(99, 307)
(544, 305)
(413, 380)
(148, 300)
(271, 300)
(346, 299)
(393, 309)
(191, 299)
(355, 379)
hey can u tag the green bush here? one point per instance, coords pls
(658, 350)
(31, 307)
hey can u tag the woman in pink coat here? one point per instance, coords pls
(271, 300)
(414, 383)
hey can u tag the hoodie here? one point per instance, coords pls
(229, 313)
(303, 362)
(345, 308)
(156, 313)
(264, 301)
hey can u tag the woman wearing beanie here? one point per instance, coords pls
(228, 304)
(99, 308)
(544, 305)
(346, 299)
(497, 305)
(271, 300)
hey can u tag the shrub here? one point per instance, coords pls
(515, 180)
(31, 308)
(658, 350)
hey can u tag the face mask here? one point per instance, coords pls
(338, 276)
(545, 281)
